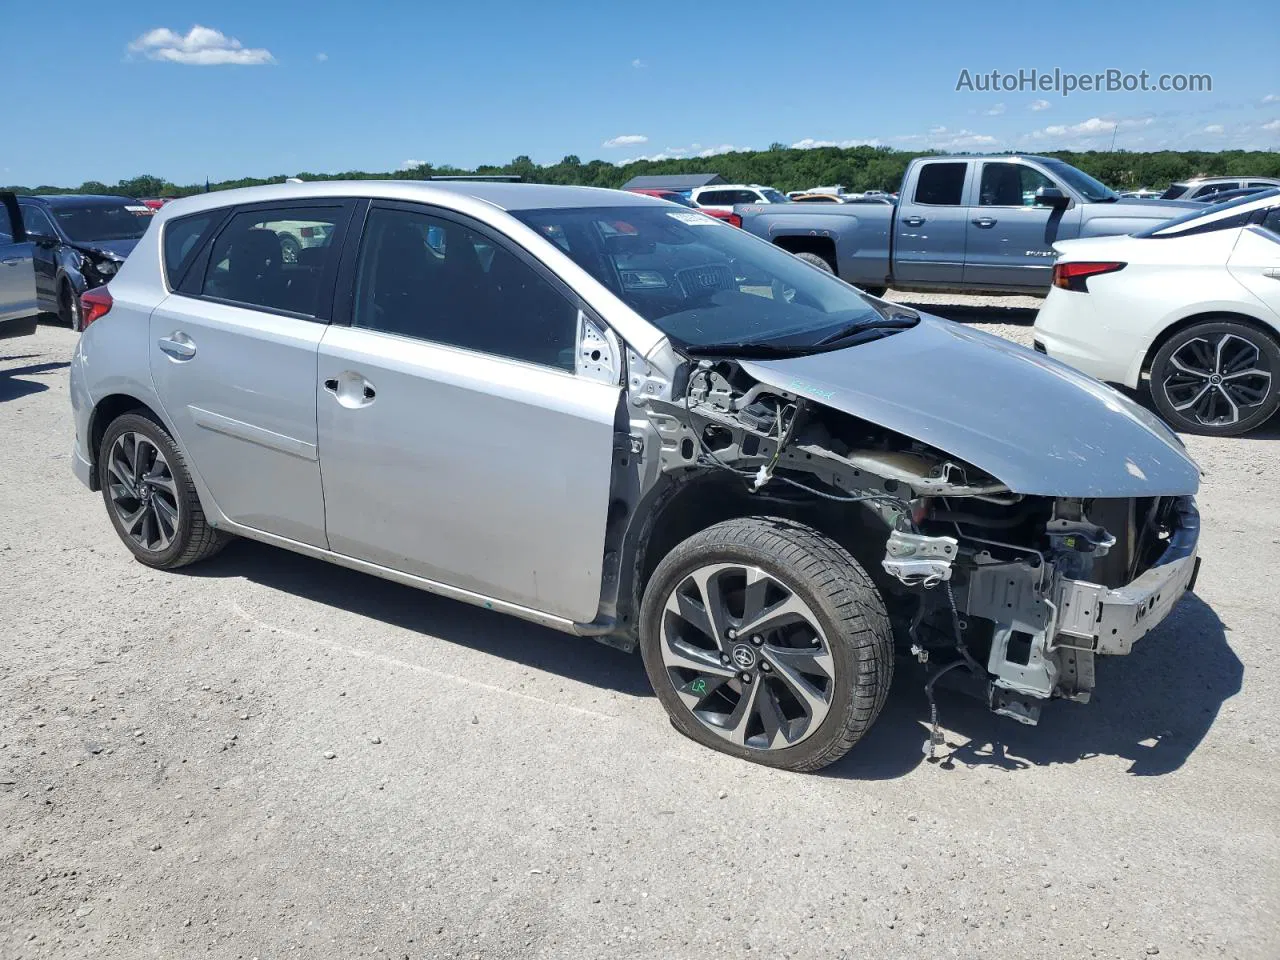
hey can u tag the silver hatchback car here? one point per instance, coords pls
(618, 417)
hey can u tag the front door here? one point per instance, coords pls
(17, 276)
(1255, 261)
(456, 441)
(41, 231)
(1011, 237)
(233, 359)
(929, 229)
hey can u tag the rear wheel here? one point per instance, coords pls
(69, 307)
(816, 260)
(149, 495)
(1219, 378)
(289, 249)
(766, 640)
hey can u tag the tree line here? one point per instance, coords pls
(855, 168)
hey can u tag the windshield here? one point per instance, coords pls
(773, 196)
(706, 284)
(1080, 182)
(104, 220)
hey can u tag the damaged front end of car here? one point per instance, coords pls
(1012, 590)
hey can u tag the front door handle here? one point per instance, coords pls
(913, 221)
(984, 222)
(11, 261)
(1272, 272)
(177, 345)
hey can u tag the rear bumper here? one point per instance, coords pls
(1111, 621)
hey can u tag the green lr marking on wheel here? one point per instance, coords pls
(698, 686)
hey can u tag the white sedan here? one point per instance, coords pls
(1192, 304)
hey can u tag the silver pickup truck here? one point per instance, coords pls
(18, 310)
(971, 224)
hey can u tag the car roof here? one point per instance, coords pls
(70, 199)
(500, 194)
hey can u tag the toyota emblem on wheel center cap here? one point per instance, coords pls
(744, 656)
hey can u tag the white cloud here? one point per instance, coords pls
(1092, 128)
(808, 143)
(1038, 105)
(944, 138)
(1214, 128)
(638, 63)
(1271, 98)
(1272, 127)
(626, 140)
(201, 47)
(411, 164)
(322, 57)
(995, 111)
(677, 153)
(716, 151)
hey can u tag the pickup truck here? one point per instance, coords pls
(980, 224)
(18, 310)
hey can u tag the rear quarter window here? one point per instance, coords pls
(182, 239)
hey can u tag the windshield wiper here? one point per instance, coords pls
(896, 320)
(748, 351)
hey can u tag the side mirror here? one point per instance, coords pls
(1051, 197)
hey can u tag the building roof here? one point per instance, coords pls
(677, 182)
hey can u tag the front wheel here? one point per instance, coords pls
(69, 307)
(1218, 378)
(767, 641)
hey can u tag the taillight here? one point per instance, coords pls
(733, 220)
(1073, 276)
(94, 304)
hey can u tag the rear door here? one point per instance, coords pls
(233, 358)
(1010, 237)
(457, 440)
(17, 273)
(1255, 262)
(929, 229)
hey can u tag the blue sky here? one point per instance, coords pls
(276, 86)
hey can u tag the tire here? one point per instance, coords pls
(836, 639)
(69, 310)
(289, 249)
(1206, 370)
(170, 530)
(816, 260)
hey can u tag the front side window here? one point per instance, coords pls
(249, 263)
(941, 184)
(1092, 190)
(1010, 185)
(37, 222)
(434, 279)
(103, 220)
(703, 283)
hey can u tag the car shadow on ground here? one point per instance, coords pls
(12, 384)
(966, 313)
(1152, 708)
(435, 617)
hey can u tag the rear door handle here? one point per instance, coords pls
(984, 222)
(913, 221)
(1272, 272)
(11, 261)
(351, 389)
(177, 345)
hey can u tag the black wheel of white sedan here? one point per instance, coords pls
(149, 495)
(766, 640)
(1220, 378)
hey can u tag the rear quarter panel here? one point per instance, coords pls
(860, 232)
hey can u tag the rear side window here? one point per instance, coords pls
(941, 184)
(6, 228)
(275, 259)
(1210, 189)
(716, 197)
(182, 238)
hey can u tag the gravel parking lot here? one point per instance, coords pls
(267, 756)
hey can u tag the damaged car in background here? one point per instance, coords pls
(768, 482)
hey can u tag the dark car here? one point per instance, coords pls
(80, 242)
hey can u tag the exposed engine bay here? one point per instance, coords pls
(1009, 596)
